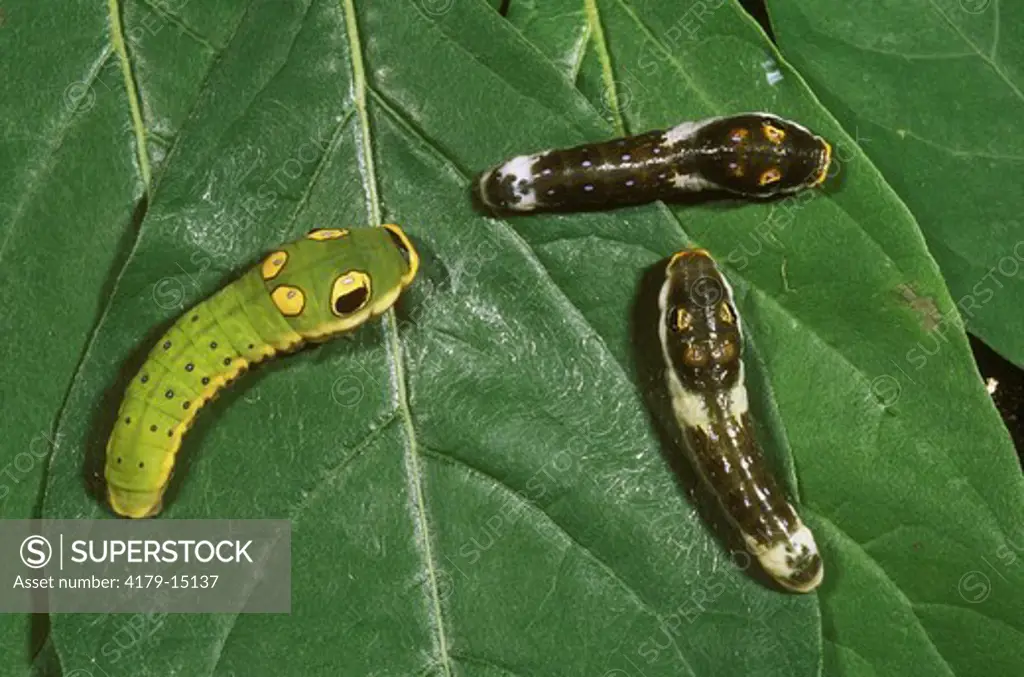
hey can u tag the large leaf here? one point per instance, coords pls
(933, 91)
(475, 483)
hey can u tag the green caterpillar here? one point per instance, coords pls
(308, 291)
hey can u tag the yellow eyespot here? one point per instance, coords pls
(737, 135)
(773, 134)
(680, 320)
(289, 300)
(350, 292)
(695, 355)
(327, 234)
(725, 314)
(772, 175)
(273, 264)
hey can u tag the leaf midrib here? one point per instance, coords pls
(415, 474)
(138, 128)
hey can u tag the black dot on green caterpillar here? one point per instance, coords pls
(323, 285)
(702, 344)
(755, 155)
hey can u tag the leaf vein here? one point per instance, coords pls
(604, 56)
(977, 50)
(529, 503)
(699, 91)
(57, 142)
(875, 565)
(138, 126)
(422, 526)
(322, 164)
(175, 19)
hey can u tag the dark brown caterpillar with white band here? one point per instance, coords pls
(751, 154)
(702, 344)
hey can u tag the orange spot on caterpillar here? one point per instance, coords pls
(769, 176)
(773, 134)
(739, 134)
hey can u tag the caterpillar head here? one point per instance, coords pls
(335, 279)
(761, 155)
(700, 329)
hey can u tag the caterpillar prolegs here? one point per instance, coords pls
(702, 343)
(307, 291)
(750, 154)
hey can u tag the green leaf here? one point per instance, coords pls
(477, 484)
(74, 167)
(893, 553)
(933, 91)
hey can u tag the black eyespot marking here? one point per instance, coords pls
(170, 432)
(145, 377)
(169, 394)
(213, 345)
(152, 428)
(142, 464)
(189, 366)
(127, 420)
(119, 459)
(185, 405)
(352, 301)
(227, 361)
(195, 318)
(251, 346)
(167, 345)
(206, 380)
